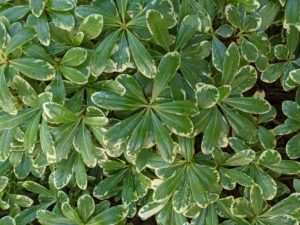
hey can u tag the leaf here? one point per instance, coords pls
(56, 113)
(62, 20)
(256, 199)
(91, 26)
(83, 144)
(7, 220)
(244, 80)
(249, 51)
(43, 30)
(272, 73)
(231, 63)
(80, 173)
(266, 138)
(114, 101)
(188, 27)
(34, 68)
(184, 108)
(218, 53)
(292, 14)
(292, 147)
(243, 157)
(291, 110)
(47, 143)
(31, 133)
(74, 57)
(233, 16)
(167, 69)
(142, 58)
(63, 173)
(158, 27)
(37, 188)
(207, 95)
(113, 216)
(49, 218)
(6, 98)
(86, 206)
(102, 53)
(4, 182)
(295, 75)
(59, 5)
(8, 121)
(37, 7)
(70, 213)
(163, 140)
(249, 104)
(213, 134)
(18, 40)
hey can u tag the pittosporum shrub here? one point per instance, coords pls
(172, 112)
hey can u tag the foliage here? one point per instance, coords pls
(183, 112)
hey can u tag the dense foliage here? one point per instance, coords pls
(176, 112)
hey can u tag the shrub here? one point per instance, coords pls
(175, 112)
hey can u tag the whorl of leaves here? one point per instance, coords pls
(177, 112)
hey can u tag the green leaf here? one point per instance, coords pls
(293, 147)
(140, 134)
(6, 98)
(243, 157)
(4, 182)
(269, 157)
(83, 144)
(37, 7)
(31, 133)
(291, 110)
(37, 188)
(266, 138)
(207, 95)
(249, 104)
(86, 206)
(34, 68)
(167, 69)
(56, 113)
(272, 73)
(163, 140)
(112, 101)
(182, 196)
(158, 27)
(59, 5)
(111, 216)
(91, 26)
(292, 13)
(244, 80)
(74, 75)
(218, 53)
(188, 27)
(184, 108)
(43, 30)
(295, 75)
(74, 57)
(70, 213)
(249, 51)
(80, 173)
(18, 40)
(63, 173)
(62, 20)
(49, 218)
(241, 207)
(8, 121)
(6, 139)
(142, 58)
(231, 63)
(102, 53)
(7, 220)
(214, 133)
(3, 35)
(256, 199)
(233, 16)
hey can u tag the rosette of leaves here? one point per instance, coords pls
(69, 143)
(122, 180)
(183, 181)
(148, 116)
(256, 210)
(59, 12)
(12, 63)
(223, 106)
(127, 20)
(262, 163)
(86, 212)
